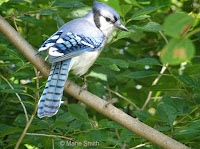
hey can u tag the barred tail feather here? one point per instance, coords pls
(50, 100)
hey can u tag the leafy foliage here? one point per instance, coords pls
(161, 32)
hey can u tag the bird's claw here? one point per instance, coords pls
(84, 87)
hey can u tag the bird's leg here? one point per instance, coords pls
(84, 87)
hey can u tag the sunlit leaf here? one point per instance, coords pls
(125, 9)
(3, 1)
(177, 24)
(148, 26)
(98, 75)
(177, 51)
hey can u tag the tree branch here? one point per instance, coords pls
(88, 98)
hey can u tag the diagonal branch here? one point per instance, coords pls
(88, 98)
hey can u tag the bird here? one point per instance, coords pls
(75, 47)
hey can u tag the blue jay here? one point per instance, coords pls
(75, 46)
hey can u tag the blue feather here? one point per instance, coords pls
(50, 100)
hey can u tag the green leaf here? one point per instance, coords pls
(165, 3)
(178, 104)
(190, 131)
(28, 146)
(177, 24)
(20, 121)
(142, 115)
(78, 112)
(66, 117)
(32, 20)
(101, 76)
(190, 82)
(48, 12)
(3, 1)
(11, 91)
(114, 4)
(97, 88)
(141, 17)
(123, 35)
(68, 5)
(148, 27)
(167, 113)
(177, 51)
(118, 62)
(125, 9)
(134, 3)
(59, 20)
(141, 74)
(164, 128)
(9, 131)
(109, 124)
(112, 63)
(100, 135)
(46, 141)
(145, 11)
(194, 69)
(147, 61)
(20, 74)
(59, 124)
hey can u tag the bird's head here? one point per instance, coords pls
(106, 18)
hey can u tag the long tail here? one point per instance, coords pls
(51, 98)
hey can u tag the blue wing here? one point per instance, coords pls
(66, 46)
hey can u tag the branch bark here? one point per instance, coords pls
(88, 98)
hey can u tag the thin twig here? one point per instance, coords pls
(119, 95)
(27, 13)
(110, 95)
(192, 32)
(26, 128)
(22, 67)
(52, 136)
(15, 23)
(23, 106)
(154, 83)
(163, 36)
(162, 97)
(187, 115)
(52, 142)
(138, 146)
(37, 82)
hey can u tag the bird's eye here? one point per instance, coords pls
(107, 19)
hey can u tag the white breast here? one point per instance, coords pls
(80, 64)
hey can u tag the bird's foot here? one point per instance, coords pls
(84, 87)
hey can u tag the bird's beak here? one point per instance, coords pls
(119, 25)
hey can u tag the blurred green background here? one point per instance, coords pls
(161, 32)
